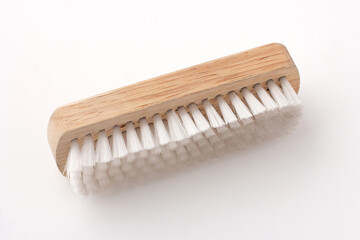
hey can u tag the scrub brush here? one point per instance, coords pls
(176, 120)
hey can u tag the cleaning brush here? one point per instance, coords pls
(176, 120)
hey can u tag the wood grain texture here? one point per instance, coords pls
(169, 91)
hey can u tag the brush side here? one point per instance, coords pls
(169, 91)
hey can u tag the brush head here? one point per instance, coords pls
(176, 120)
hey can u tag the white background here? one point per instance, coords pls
(303, 186)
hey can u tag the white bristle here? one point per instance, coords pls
(78, 187)
(91, 185)
(227, 113)
(211, 135)
(289, 91)
(132, 174)
(144, 152)
(103, 157)
(159, 165)
(103, 151)
(242, 111)
(88, 178)
(201, 123)
(73, 163)
(115, 163)
(147, 138)
(216, 121)
(132, 141)
(189, 124)
(126, 166)
(158, 148)
(161, 132)
(205, 148)
(104, 182)
(173, 160)
(193, 150)
(265, 98)
(74, 168)
(114, 170)
(255, 105)
(181, 153)
(88, 155)
(167, 155)
(176, 129)
(154, 158)
(214, 118)
(101, 167)
(277, 94)
(76, 180)
(75, 177)
(114, 166)
(101, 174)
(145, 171)
(119, 149)
(214, 139)
(204, 126)
(140, 162)
(119, 177)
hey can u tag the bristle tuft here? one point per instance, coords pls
(215, 119)
(227, 113)
(147, 138)
(103, 151)
(255, 105)
(242, 112)
(277, 94)
(199, 119)
(289, 91)
(188, 123)
(73, 163)
(132, 142)
(161, 132)
(176, 129)
(88, 152)
(265, 98)
(119, 148)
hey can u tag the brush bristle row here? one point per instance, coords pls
(184, 138)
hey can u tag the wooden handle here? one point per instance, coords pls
(169, 91)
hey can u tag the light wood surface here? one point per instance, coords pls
(169, 91)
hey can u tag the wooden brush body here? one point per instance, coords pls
(169, 91)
